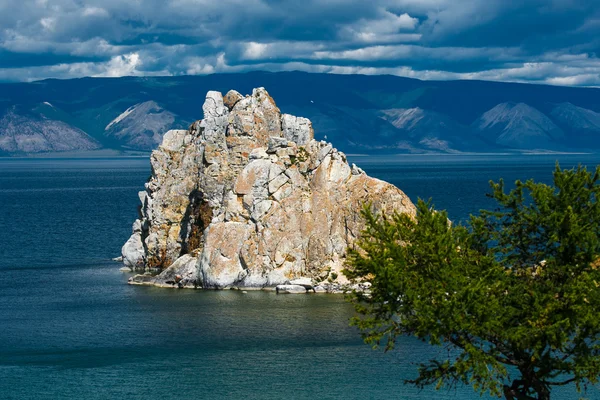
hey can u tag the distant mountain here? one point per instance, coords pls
(358, 113)
(583, 124)
(40, 129)
(347, 127)
(141, 126)
(432, 130)
(518, 126)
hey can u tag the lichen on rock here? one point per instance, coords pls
(250, 199)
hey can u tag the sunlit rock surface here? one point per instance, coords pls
(251, 200)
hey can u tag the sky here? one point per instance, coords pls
(538, 41)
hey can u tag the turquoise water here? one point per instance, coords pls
(71, 328)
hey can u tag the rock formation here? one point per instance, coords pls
(247, 198)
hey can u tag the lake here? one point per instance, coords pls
(70, 326)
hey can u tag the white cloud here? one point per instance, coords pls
(577, 80)
(255, 51)
(420, 54)
(124, 65)
(94, 12)
(199, 66)
(367, 53)
(96, 46)
(544, 72)
(405, 21)
(387, 27)
(48, 23)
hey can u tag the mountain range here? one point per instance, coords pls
(358, 113)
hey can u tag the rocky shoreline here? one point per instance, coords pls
(296, 286)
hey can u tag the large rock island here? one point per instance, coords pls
(247, 198)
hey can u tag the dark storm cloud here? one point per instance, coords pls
(553, 41)
(9, 59)
(537, 25)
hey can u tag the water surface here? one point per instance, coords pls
(71, 328)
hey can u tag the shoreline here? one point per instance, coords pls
(291, 287)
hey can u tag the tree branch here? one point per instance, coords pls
(563, 383)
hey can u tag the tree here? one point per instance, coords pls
(513, 293)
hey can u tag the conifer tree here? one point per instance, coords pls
(514, 293)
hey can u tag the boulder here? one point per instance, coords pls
(307, 283)
(182, 273)
(141, 279)
(251, 196)
(133, 251)
(231, 98)
(290, 289)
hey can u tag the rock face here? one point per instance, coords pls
(251, 199)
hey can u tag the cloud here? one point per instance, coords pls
(546, 41)
(125, 65)
(94, 12)
(387, 27)
(255, 51)
(48, 23)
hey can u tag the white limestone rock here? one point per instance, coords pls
(221, 264)
(213, 105)
(302, 282)
(254, 198)
(133, 250)
(290, 289)
(174, 139)
(297, 129)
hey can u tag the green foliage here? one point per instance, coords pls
(302, 155)
(514, 294)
